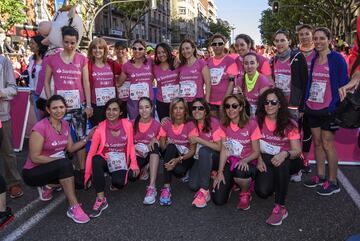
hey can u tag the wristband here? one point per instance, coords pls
(231, 78)
(89, 106)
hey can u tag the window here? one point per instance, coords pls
(182, 11)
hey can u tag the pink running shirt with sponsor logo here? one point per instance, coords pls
(167, 83)
(103, 77)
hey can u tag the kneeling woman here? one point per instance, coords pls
(146, 131)
(178, 152)
(280, 151)
(207, 151)
(47, 164)
(112, 150)
(239, 152)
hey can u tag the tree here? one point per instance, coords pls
(11, 13)
(221, 27)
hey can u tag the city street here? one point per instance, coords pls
(311, 217)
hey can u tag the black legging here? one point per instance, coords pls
(98, 114)
(307, 136)
(276, 179)
(220, 196)
(180, 169)
(162, 109)
(2, 185)
(49, 173)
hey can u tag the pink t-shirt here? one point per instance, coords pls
(191, 80)
(115, 143)
(147, 131)
(103, 86)
(140, 79)
(167, 83)
(220, 70)
(308, 58)
(54, 143)
(320, 90)
(215, 134)
(68, 78)
(178, 135)
(282, 72)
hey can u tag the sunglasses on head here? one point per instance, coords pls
(271, 102)
(198, 108)
(234, 106)
(217, 44)
(137, 49)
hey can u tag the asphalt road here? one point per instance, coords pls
(311, 217)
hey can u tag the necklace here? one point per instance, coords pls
(56, 128)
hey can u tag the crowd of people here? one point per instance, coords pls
(230, 121)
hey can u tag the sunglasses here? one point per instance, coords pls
(234, 106)
(137, 49)
(198, 108)
(271, 102)
(217, 44)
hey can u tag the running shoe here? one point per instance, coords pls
(77, 214)
(328, 188)
(202, 197)
(277, 216)
(16, 191)
(99, 206)
(307, 168)
(45, 193)
(314, 182)
(6, 218)
(144, 173)
(296, 177)
(186, 178)
(244, 201)
(150, 196)
(165, 196)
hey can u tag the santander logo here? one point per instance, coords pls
(58, 71)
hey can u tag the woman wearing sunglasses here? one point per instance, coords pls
(223, 70)
(239, 151)
(208, 145)
(193, 74)
(137, 77)
(280, 151)
(167, 79)
(178, 151)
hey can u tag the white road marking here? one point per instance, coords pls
(27, 208)
(353, 193)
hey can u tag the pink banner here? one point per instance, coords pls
(19, 117)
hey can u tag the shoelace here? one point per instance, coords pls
(165, 193)
(244, 196)
(326, 185)
(77, 210)
(199, 195)
(97, 204)
(150, 191)
(276, 209)
(315, 179)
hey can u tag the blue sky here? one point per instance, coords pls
(244, 14)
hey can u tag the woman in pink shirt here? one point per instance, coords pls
(112, 150)
(193, 74)
(280, 151)
(101, 76)
(146, 131)
(136, 78)
(167, 79)
(47, 164)
(206, 157)
(239, 151)
(177, 150)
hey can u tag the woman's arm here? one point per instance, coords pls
(86, 86)
(120, 81)
(255, 144)
(48, 75)
(35, 148)
(206, 75)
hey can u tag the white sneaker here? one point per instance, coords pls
(150, 196)
(296, 177)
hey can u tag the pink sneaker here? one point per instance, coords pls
(77, 214)
(278, 214)
(244, 201)
(201, 198)
(45, 193)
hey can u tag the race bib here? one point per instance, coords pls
(188, 89)
(139, 90)
(141, 150)
(253, 109)
(283, 82)
(317, 91)
(216, 75)
(234, 147)
(182, 149)
(103, 95)
(60, 154)
(72, 98)
(198, 146)
(124, 90)
(169, 92)
(116, 161)
(267, 148)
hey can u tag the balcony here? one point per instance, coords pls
(154, 22)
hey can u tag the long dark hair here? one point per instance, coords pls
(283, 121)
(169, 57)
(207, 121)
(117, 101)
(137, 119)
(42, 48)
(244, 117)
(248, 40)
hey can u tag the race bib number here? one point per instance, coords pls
(182, 149)
(116, 161)
(139, 90)
(103, 95)
(283, 82)
(72, 98)
(60, 154)
(216, 75)
(124, 90)
(141, 150)
(169, 92)
(267, 148)
(234, 147)
(317, 92)
(188, 89)
(198, 146)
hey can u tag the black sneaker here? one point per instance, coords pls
(328, 188)
(99, 206)
(314, 182)
(6, 218)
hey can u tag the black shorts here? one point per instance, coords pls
(321, 118)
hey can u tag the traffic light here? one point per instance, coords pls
(275, 7)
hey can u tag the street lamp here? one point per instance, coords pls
(233, 33)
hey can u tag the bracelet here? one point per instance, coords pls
(89, 106)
